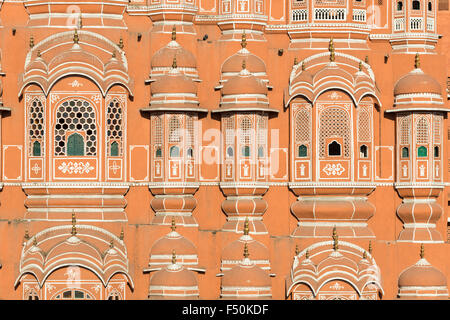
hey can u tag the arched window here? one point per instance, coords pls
(230, 152)
(430, 6)
(190, 153)
(74, 294)
(75, 145)
(114, 295)
(416, 5)
(405, 152)
(32, 295)
(335, 122)
(334, 149)
(246, 151)
(436, 151)
(158, 153)
(422, 152)
(36, 149)
(114, 149)
(114, 126)
(399, 6)
(260, 152)
(363, 151)
(76, 115)
(302, 151)
(174, 152)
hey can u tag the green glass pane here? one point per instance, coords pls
(75, 145)
(174, 152)
(36, 149)
(114, 149)
(302, 151)
(422, 152)
(158, 153)
(405, 152)
(246, 151)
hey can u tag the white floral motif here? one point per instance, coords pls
(334, 169)
(96, 98)
(336, 286)
(75, 167)
(75, 84)
(54, 98)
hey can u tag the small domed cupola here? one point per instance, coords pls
(422, 281)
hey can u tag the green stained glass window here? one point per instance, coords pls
(36, 149)
(75, 145)
(422, 152)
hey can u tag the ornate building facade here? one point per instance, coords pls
(224, 149)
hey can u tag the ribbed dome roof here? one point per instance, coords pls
(417, 81)
(422, 274)
(174, 276)
(244, 83)
(234, 63)
(304, 76)
(173, 241)
(174, 82)
(234, 250)
(164, 56)
(246, 274)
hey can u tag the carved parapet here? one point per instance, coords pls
(244, 200)
(320, 207)
(174, 200)
(419, 212)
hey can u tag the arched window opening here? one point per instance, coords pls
(75, 145)
(114, 149)
(230, 152)
(158, 153)
(436, 151)
(190, 153)
(246, 151)
(302, 151)
(430, 6)
(76, 115)
(416, 5)
(399, 6)
(334, 149)
(260, 152)
(174, 152)
(405, 152)
(74, 294)
(32, 295)
(36, 149)
(363, 151)
(114, 295)
(422, 152)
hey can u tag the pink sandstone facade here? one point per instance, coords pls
(224, 149)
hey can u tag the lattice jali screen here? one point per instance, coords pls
(190, 134)
(245, 130)
(174, 125)
(334, 122)
(76, 115)
(303, 126)
(364, 125)
(437, 128)
(405, 129)
(114, 125)
(36, 125)
(422, 136)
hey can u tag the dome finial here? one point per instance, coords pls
(174, 64)
(246, 254)
(303, 66)
(331, 49)
(38, 53)
(174, 33)
(365, 255)
(422, 251)
(297, 251)
(244, 40)
(120, 45)
(335, 239)
(111, 244)
(27, 235)
(370, 247)
(173, 227)
(174, 257)
(295, 61)
(80, 22)
(31, 41)
(366, 60)
(35, 242)
(74, 222)
(122, 234)
(76, 38)
(244, 64)
(246, 227)
(307, 254)
(360, 66)
(417, 61)
(113, 54)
